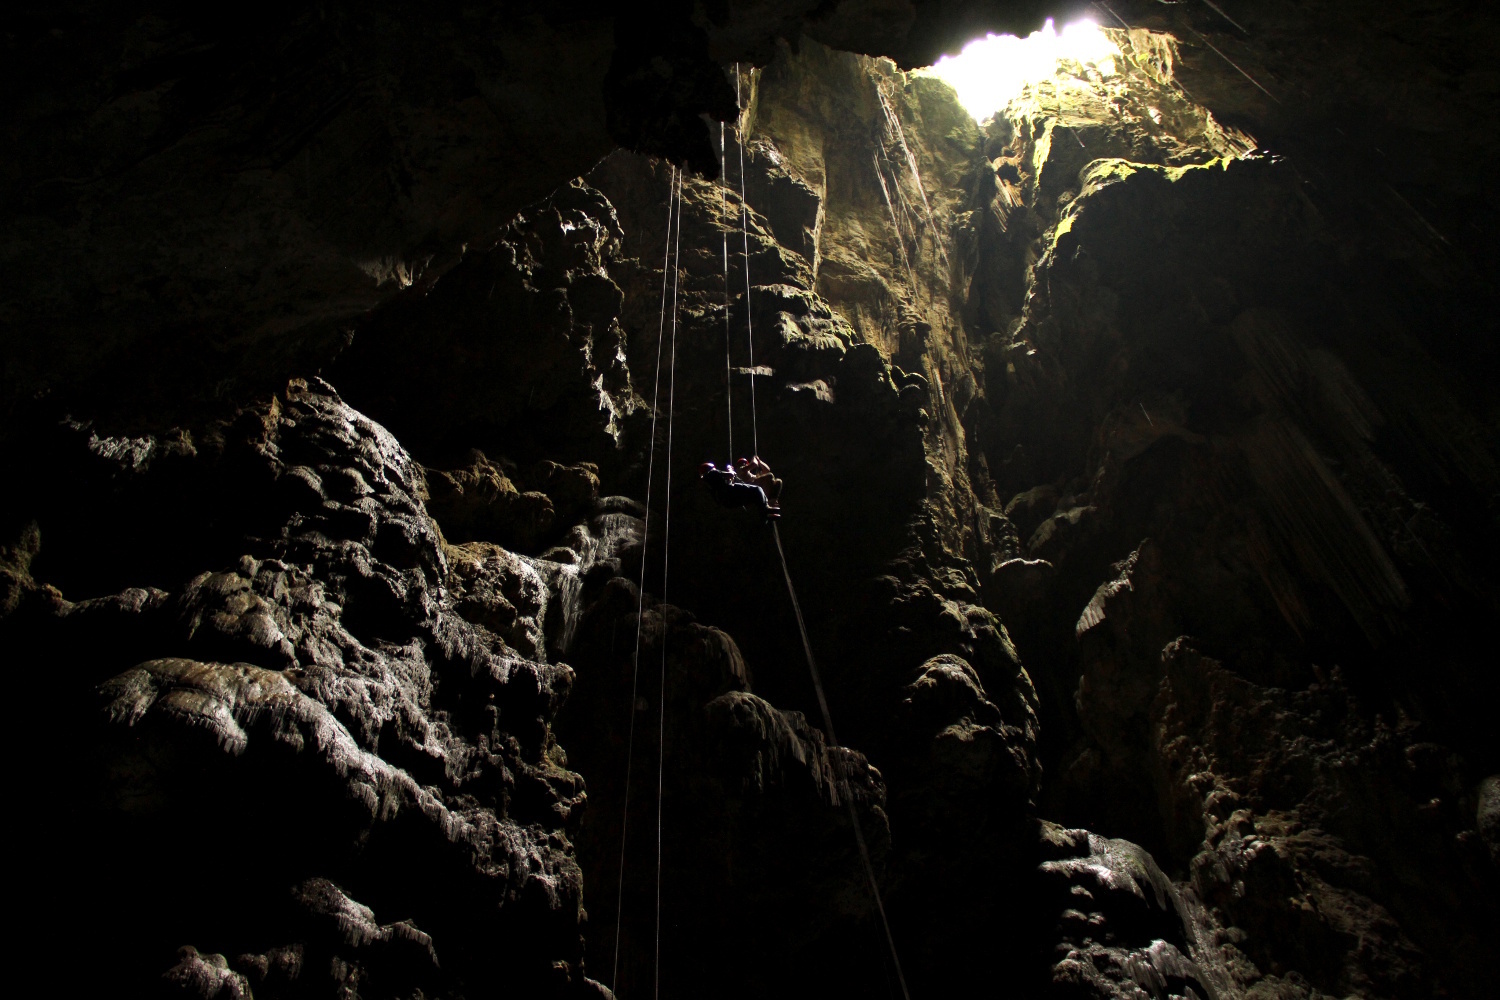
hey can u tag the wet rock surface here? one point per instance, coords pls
(1140, 497)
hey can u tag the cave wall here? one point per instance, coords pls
(236, 187)
(1141, 484)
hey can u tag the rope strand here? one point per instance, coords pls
(723, 208)
(745, 234)
(859, 833)
(661, 746)
(635, 669)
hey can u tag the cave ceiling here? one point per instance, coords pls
(236, 187)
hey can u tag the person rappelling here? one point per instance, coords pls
(743, 483)
(746, 483)
(755, 470)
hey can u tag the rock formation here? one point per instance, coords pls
(373, 636)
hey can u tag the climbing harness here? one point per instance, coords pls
(674, 191)
(730, 489)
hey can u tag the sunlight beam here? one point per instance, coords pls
(992, 71)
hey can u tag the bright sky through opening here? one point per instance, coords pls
(993, 70)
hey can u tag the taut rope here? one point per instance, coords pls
(635, 671)
(859, 833)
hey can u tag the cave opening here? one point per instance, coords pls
(990, 72)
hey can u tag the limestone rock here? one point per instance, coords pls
(309, 689)
(1124, 929)
(1488, 819)
(317, 709)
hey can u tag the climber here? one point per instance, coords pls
(731, 490)
(754, 470)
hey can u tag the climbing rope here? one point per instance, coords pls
(812, 666)
(894, 121)
(859, 833)
(673, 259)
(1220, 11)
(1237, 68)
(1104, 5)
(635, 671)
(723, 209)
(745, 235)
(911, 276)
(666, 546)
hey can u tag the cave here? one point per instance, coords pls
(1135, 511)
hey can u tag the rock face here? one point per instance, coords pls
(1140, 499)
(266, 746)
(239, 186)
